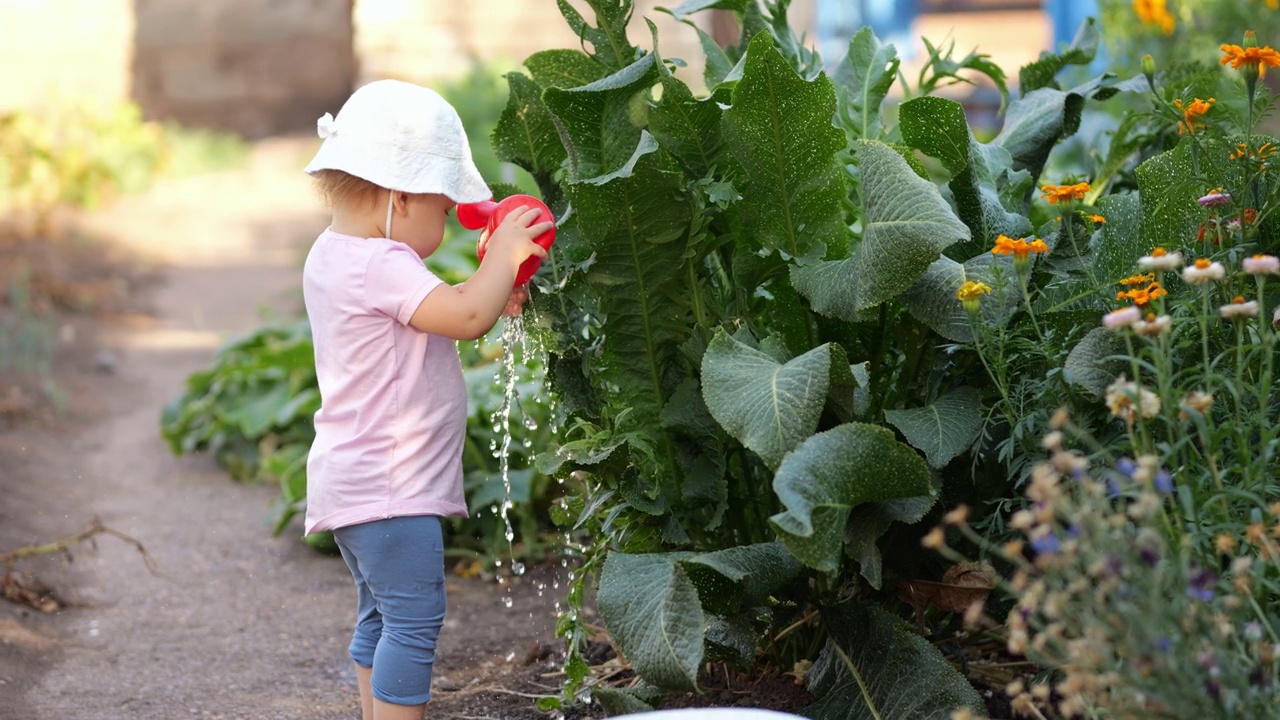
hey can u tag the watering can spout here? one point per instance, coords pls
(489, 214)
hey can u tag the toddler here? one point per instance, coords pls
(386, 463)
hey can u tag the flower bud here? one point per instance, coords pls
(1250, 40)
(1149, 69)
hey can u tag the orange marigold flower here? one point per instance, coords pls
(1143, 296)
(1155, 12)
(1259, 58)
(1138, 279)
(1101, 220)
(1191, 114)
(1064, 193)
(1019, 248)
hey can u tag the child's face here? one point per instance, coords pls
(421, 227)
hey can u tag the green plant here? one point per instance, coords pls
(752, 328)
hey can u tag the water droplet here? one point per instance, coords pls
(517, 567)
(506, 600)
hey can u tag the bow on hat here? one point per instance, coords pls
(326, 126)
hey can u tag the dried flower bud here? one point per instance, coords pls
(935, 539)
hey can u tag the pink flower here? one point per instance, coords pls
(1122, 318)
(1215, 198)
(1262, 265)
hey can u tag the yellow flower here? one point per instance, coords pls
(1191, 114)
(1064, 193)
(1138, 279)
(1101, 220)
(1250, 58)
(1155, 12)
(970, 293)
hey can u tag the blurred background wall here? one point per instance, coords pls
(262, 67)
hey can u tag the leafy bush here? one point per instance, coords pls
(752, 325)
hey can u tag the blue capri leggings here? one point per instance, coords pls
(398, 566)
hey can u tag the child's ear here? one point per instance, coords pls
(401, 202)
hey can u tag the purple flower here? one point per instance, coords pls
(1163, 644)
(1126, 466)
(1203, 581)
(1113, 488)
(1046, 544)
(1213, 689)
(1164, 482)
(1149, 556)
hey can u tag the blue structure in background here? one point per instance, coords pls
(891, 20)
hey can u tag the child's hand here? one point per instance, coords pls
(519, 295)
(512, 241)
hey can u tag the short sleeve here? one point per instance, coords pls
(396, 282)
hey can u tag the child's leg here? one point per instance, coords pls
(364, 641)
(401, 561)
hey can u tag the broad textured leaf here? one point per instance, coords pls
(938, 127)
(1087, 365)
(652, 611)
(608, 37)
(943, 429)
(759, 569)
(862, 80)
(780, 131)
(874, 667)
(686, 127)
(1120, 241)
(616, 701)
(257, 410)
(636, 223)
(932, 299)
(830, 474)
(699, 445)
(1170, 214)
(868, 522)
(906, 226)
(768, 406)
(563, 69)
(736, 638)
(1083, 49)
(595, 119)
(525, 133)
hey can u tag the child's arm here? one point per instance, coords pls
(468, 310)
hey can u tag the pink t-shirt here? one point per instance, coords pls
(393, 414)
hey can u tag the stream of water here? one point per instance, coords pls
(512, 334)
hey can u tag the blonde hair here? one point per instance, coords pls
(344, 189)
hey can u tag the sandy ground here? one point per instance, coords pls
(239, 624)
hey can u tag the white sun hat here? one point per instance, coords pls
(403, 137)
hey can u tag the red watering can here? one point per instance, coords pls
(488, 214)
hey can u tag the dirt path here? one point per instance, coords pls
(241, 625)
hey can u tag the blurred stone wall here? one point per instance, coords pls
(421, 40)
(256, 67)
(64, 51)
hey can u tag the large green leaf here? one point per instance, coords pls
(768, 406)
(608, 38)
(688, 7)
(831, 473)
(563, 68)
(932, 299)
(938, 127)
(943, 429)
(862, 80)
(868, 522)
(652, 612)
(688, 128)
(525, 133)
(636, 223)
(595, 120)
(874, 667)
(1169, 187)
(1091, 364)
(906, 226)
(1120, 242)
(780, 131)
(759, 570)
(1083, 49)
